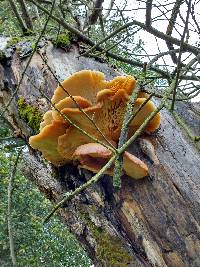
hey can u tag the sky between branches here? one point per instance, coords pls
(153, 45)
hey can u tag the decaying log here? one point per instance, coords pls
(151, 222)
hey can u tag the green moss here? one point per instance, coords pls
(30, 114)
(13, 41)
(28, 32)
(110, 249)
(62, 40)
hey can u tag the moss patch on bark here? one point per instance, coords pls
(30, 114)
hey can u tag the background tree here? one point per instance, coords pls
(146, 223)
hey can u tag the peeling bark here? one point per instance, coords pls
(151, 222)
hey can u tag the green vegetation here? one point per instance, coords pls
(30, 114)
(13, 41)
(35, 244)
(110, 249)
(62, 40)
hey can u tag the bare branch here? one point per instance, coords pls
(123, 136)
(25, 14)
(107, 38)
(148, 12)
(170, 27)
(95, 12)
(194, 18)
(19, 18)
(179, 57)
(153, 60)
(151, 30)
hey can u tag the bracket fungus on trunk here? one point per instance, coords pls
(93, 157)
(96, 106)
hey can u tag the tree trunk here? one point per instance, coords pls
(151, 222)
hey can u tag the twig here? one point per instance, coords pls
(153, 60)
(179, 57)
(29, 60)
(123, 136)
(170, 27)
(115, 32)
(19, 18)
(148, 12)
(105, 51)
(161, 96)
(194, 18)
(9, 215)
(95, 12)
(70, 195)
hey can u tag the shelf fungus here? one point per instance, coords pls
(93, 157)
(87, 101)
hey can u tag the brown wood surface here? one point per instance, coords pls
(151, 222)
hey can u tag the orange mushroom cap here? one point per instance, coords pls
(76, 102)
(134, 167)
(47, 119)
(93, 157)
(87, 84)
(146, 110)
(70, 140)
(127, 83)
(107, 115)
(47, 142)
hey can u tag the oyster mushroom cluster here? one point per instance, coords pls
(104, 102)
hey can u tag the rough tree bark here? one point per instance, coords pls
(151, 222)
